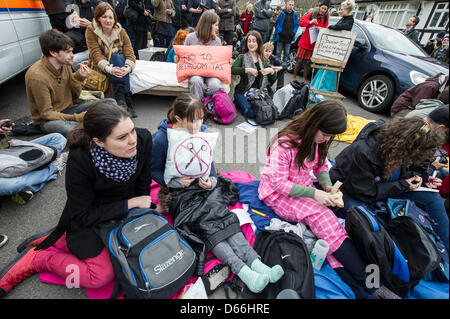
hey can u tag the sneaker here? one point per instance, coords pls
(23, 197)
(60, 161)
(34, 240)
(18, 270)
(3, 240)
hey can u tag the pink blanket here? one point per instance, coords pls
(105, 292)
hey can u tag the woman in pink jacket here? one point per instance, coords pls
(318, 17)
(286, 186)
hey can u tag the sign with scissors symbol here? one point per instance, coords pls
(191, 150)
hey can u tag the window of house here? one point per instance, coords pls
(440, 16)
(396, 15)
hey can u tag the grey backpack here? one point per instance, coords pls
(22, 157)
(150, 258)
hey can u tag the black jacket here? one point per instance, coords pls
(93, 199)
(202, 216)
(360, 169)
(345, 23)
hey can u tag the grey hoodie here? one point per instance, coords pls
(425, 107)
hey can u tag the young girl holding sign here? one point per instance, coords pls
(206, 33)
(186, 113)
(286, 186)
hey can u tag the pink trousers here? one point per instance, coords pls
(93, 272)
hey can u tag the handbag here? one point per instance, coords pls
(97, 81)
(131, 14)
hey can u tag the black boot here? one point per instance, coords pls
(130, 105)
(119, 93)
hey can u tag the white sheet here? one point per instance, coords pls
(148, 74)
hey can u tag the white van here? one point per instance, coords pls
(21, 22)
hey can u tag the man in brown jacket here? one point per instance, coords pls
(52, 89)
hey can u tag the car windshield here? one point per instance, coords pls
(393, 40)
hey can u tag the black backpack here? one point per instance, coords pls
(297, 103)
(261, 103)
(290, 252)
(150, 258)
(401, 249)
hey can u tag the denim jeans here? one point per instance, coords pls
(119, 61)
(242, 105)
(62, 126)
(285, 47)
(34, 181)
(430, 201)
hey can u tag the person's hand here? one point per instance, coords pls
(325, 198)
(84, 23)
(267, 71)
(205, 184)
(438, 165)
(5, 129)
(230, 10)
(313, 21)
(168, 11)
(414, 182)
(328, 189)
(434, 182)
(186, 181)
(84, 70)
(119, 72)
(252, 71)
(183, 7)
(140, 201)
(277, 68)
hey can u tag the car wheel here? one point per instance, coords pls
(292, 59)
(375, 93)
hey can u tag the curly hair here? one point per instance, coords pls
(406, 138)
(180, 36)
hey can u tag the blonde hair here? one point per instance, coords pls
(349, 5)
(268, 46)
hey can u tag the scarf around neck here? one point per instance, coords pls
(112, 167)
(248, 63)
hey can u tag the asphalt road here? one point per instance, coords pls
(234, 151)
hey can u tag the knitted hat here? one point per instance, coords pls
(440, 115)
(334, 124)
(325, 3)
(441, 34)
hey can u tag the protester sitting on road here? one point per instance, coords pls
(318, 17)
(300, 148)
(179, 39)
(254, 70)
(376, 166)
(277, 65)
(206, 33)
(108, 173)
(52, 89)
(426, 106)
(22, 187)
(105, 34)
(429, 89)
(222, 232)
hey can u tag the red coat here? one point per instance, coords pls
(304, 22)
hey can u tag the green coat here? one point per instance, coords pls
(238, 68)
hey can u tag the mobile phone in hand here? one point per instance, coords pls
(7, 124)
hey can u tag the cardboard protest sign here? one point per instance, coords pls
(206, 61)
(334, 46)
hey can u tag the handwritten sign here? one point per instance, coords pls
(206, 61)
(334, 45)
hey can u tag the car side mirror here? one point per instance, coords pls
(360, 45)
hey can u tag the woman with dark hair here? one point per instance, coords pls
(286, 186)
(105, 34)
(376, 166)
(108, 173)
(318, 17)
(254, 69)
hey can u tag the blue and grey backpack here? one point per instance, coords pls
(150, 258)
